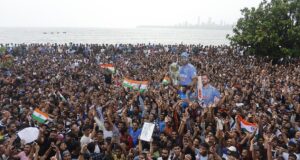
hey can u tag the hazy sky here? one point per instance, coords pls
(117, 13)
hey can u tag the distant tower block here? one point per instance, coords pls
(198, 21)
(209, 20)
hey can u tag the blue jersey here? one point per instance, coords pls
(135, 135)
(209, 94)
(186, 74)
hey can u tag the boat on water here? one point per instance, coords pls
(54, 32)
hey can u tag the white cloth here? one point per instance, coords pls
(29, 134)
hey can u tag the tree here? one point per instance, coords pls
(272, 29)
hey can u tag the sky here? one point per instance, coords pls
(117, 13)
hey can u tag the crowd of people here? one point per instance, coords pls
(93, 116)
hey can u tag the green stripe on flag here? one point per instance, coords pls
(127, 85)
(39, 119)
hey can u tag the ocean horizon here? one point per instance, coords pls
(114, 35)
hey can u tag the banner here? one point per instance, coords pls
(29, 134)
(147, 131)
(199, 88)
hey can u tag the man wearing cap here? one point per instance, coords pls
(231, 153)
(187, 72)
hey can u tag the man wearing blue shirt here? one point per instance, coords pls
(135, 132)
(210, 95)
(187, 71)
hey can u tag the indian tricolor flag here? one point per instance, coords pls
(108, 66)
(40, 116)
(136, 85)
(166, 80)
(143, 86)
(247, 126)
(131, 83)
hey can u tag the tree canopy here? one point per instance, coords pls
(272, 29)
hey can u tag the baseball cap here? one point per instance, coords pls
(232, 151)
(184, 55)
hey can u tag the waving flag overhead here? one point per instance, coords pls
(247, 126)
(40, 116)
(166, 80)
(108, 66)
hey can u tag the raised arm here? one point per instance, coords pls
(36, 153)
(98, 121)
(252, 149)
(92, 135)
(140, 146)
(183, 123)
(124, 117)
(109, 115)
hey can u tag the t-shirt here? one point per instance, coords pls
(135, 135)
(108, 78)
(183, 96)
(200, 157)
(286, 156)
(186, 74)
(85, 140)
(107, 133)
(209, 93)
(45, 146)
(162, 126)
(23, 156)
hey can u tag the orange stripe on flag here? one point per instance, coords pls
(246, 122)
(132, 81)
(42, 113)
(106, 65)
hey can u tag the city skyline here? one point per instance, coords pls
(209, 23)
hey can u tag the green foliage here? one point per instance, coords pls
(271, 29)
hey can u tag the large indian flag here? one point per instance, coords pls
(108, 66)
(131, 83)
(136, 85)
(247, 126)
(143, 86)
(40, 116)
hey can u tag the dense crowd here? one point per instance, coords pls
(93, 116)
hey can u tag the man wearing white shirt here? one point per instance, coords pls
(292, 148)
